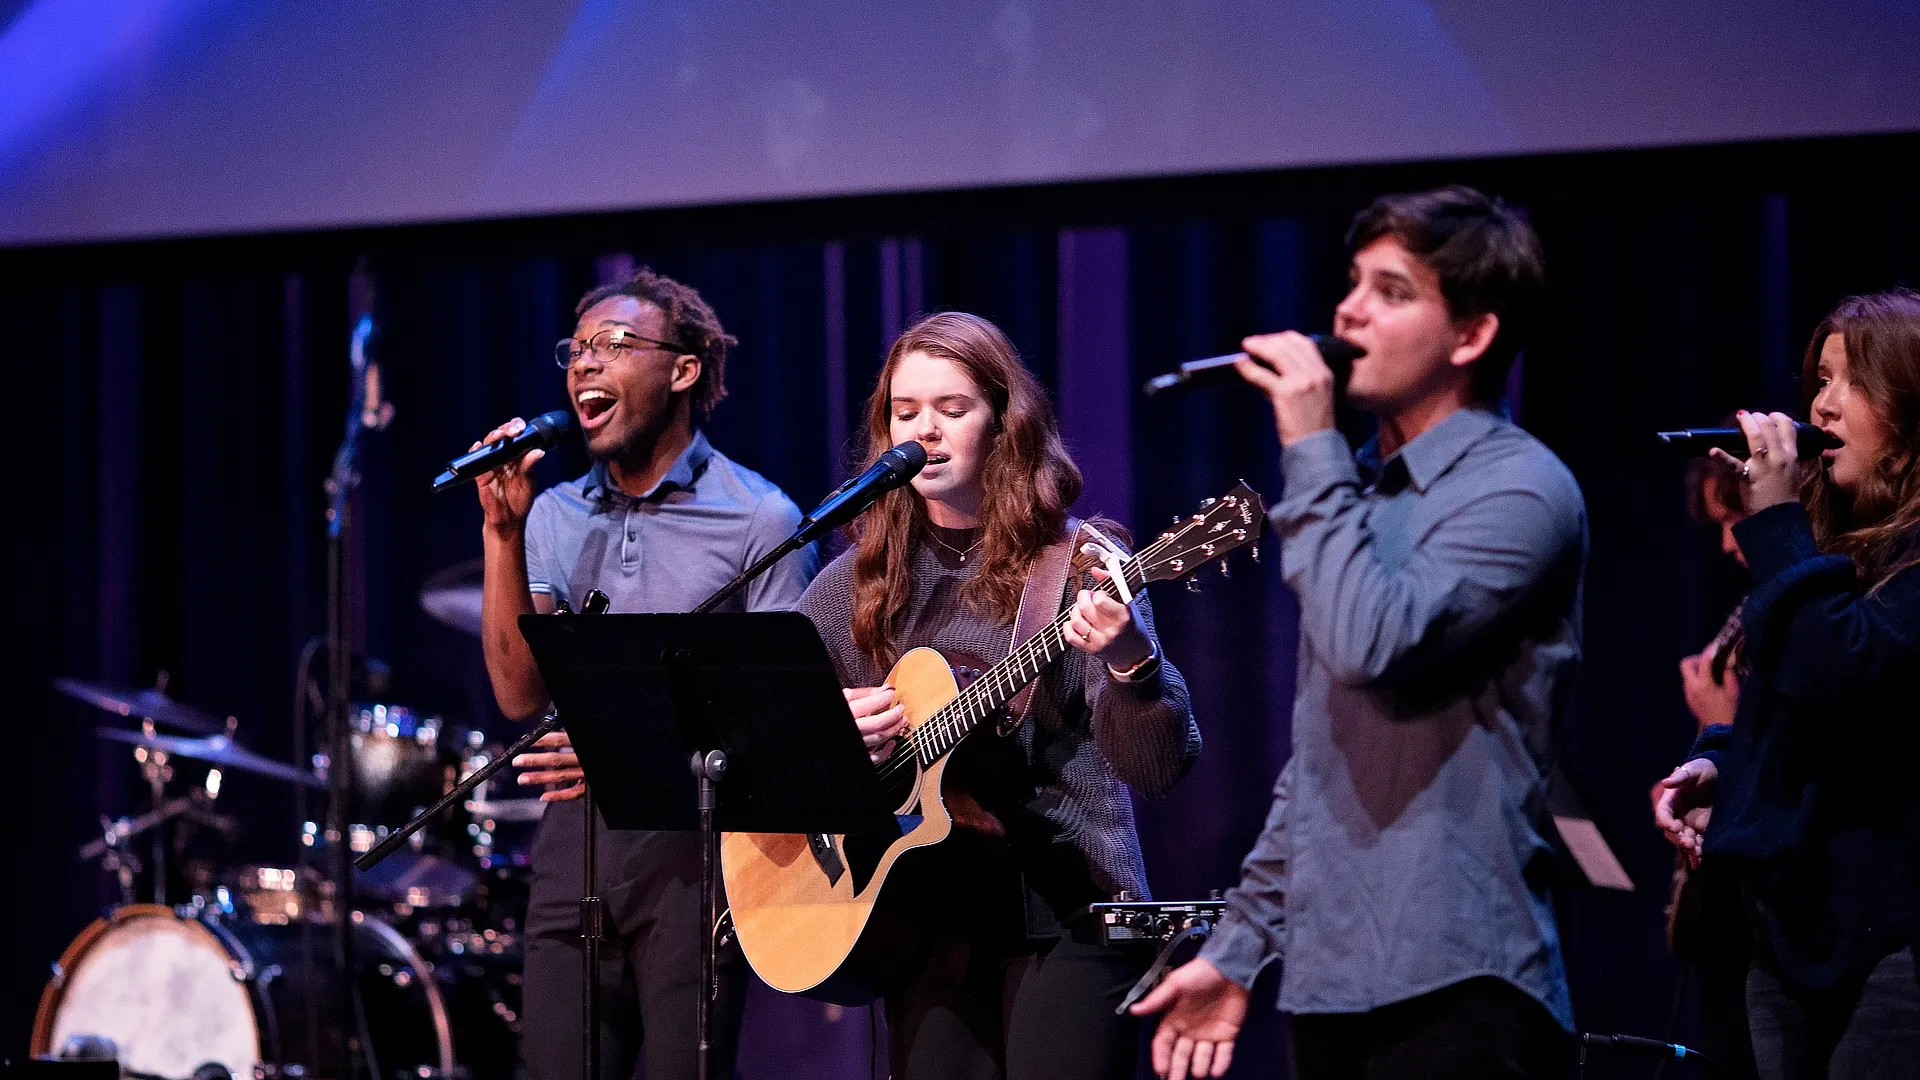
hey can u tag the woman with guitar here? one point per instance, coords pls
(1812, 791)
(1012, 984)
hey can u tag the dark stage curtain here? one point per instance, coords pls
(177, 403)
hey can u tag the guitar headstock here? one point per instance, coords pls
(1219, 527)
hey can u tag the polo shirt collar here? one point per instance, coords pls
(680, 476)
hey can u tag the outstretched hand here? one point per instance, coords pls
(1204, 1011)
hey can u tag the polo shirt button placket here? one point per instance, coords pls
(629, 554)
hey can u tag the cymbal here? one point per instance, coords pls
(452, 596)
(142, 704)
(214, 750)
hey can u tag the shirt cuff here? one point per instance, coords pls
(1237, 950)
(1314, 464)
(1140, 672)
(1711, 743)
(1776, 538)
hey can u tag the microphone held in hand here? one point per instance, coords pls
(1808, 441)
(1339, 353)
(894, 468)
(541, 433)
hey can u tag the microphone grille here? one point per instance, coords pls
(912, 455)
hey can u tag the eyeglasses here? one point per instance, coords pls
(608, 345)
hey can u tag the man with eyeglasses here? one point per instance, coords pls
(660, 521)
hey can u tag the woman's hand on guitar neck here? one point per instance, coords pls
(881, 718)
(1102, 626)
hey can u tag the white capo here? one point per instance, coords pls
(1111, 558)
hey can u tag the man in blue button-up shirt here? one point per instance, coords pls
(1402, 875)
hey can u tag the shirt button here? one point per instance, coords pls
(630, 536)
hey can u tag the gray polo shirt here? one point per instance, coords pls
(1406, 849)
(665, 551)
(707, 519)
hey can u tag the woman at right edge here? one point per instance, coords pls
(1015, 984)
(1812, 795)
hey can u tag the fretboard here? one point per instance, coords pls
(991, 691)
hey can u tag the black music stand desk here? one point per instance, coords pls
(667, 712)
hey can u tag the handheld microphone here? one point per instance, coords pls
(540, 433)
(1808, 441)
(894, 468)
(1339, 353)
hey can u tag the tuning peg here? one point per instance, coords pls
(1226, 569)
(1193, 583)
(1205, 503)
(1255, 552)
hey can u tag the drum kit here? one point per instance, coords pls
(240, 980)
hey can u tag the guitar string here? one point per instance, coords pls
(953, 721)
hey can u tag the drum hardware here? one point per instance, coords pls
(452, 597)
(218, 750)
(151, 979)
(153, 705)
(111, 848)
(276, 895)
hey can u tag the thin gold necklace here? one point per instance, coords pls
(962, 555)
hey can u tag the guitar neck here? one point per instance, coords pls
(990, 692)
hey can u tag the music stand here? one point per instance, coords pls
(661, 708)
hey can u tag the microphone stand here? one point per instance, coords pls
(342, 481)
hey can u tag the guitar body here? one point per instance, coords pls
(845, 938)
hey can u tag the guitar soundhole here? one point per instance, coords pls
(902, 786)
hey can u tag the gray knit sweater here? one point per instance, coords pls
(1059, 784)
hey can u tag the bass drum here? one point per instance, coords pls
(174, 993)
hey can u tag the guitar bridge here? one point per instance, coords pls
(827, 855)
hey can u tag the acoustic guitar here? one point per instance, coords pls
(837, 917)
(1686, 896)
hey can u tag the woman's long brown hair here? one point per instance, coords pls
(1879, 524)
(1029, 482)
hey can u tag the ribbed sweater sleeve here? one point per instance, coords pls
(1145, 729)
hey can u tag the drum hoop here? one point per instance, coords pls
(55, 991)
(427, 979)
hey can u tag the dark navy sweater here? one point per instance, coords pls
(1818, 798)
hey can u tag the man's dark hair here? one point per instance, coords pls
(687, 322)
(1486, 256)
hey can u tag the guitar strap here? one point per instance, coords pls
(1040, 600)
